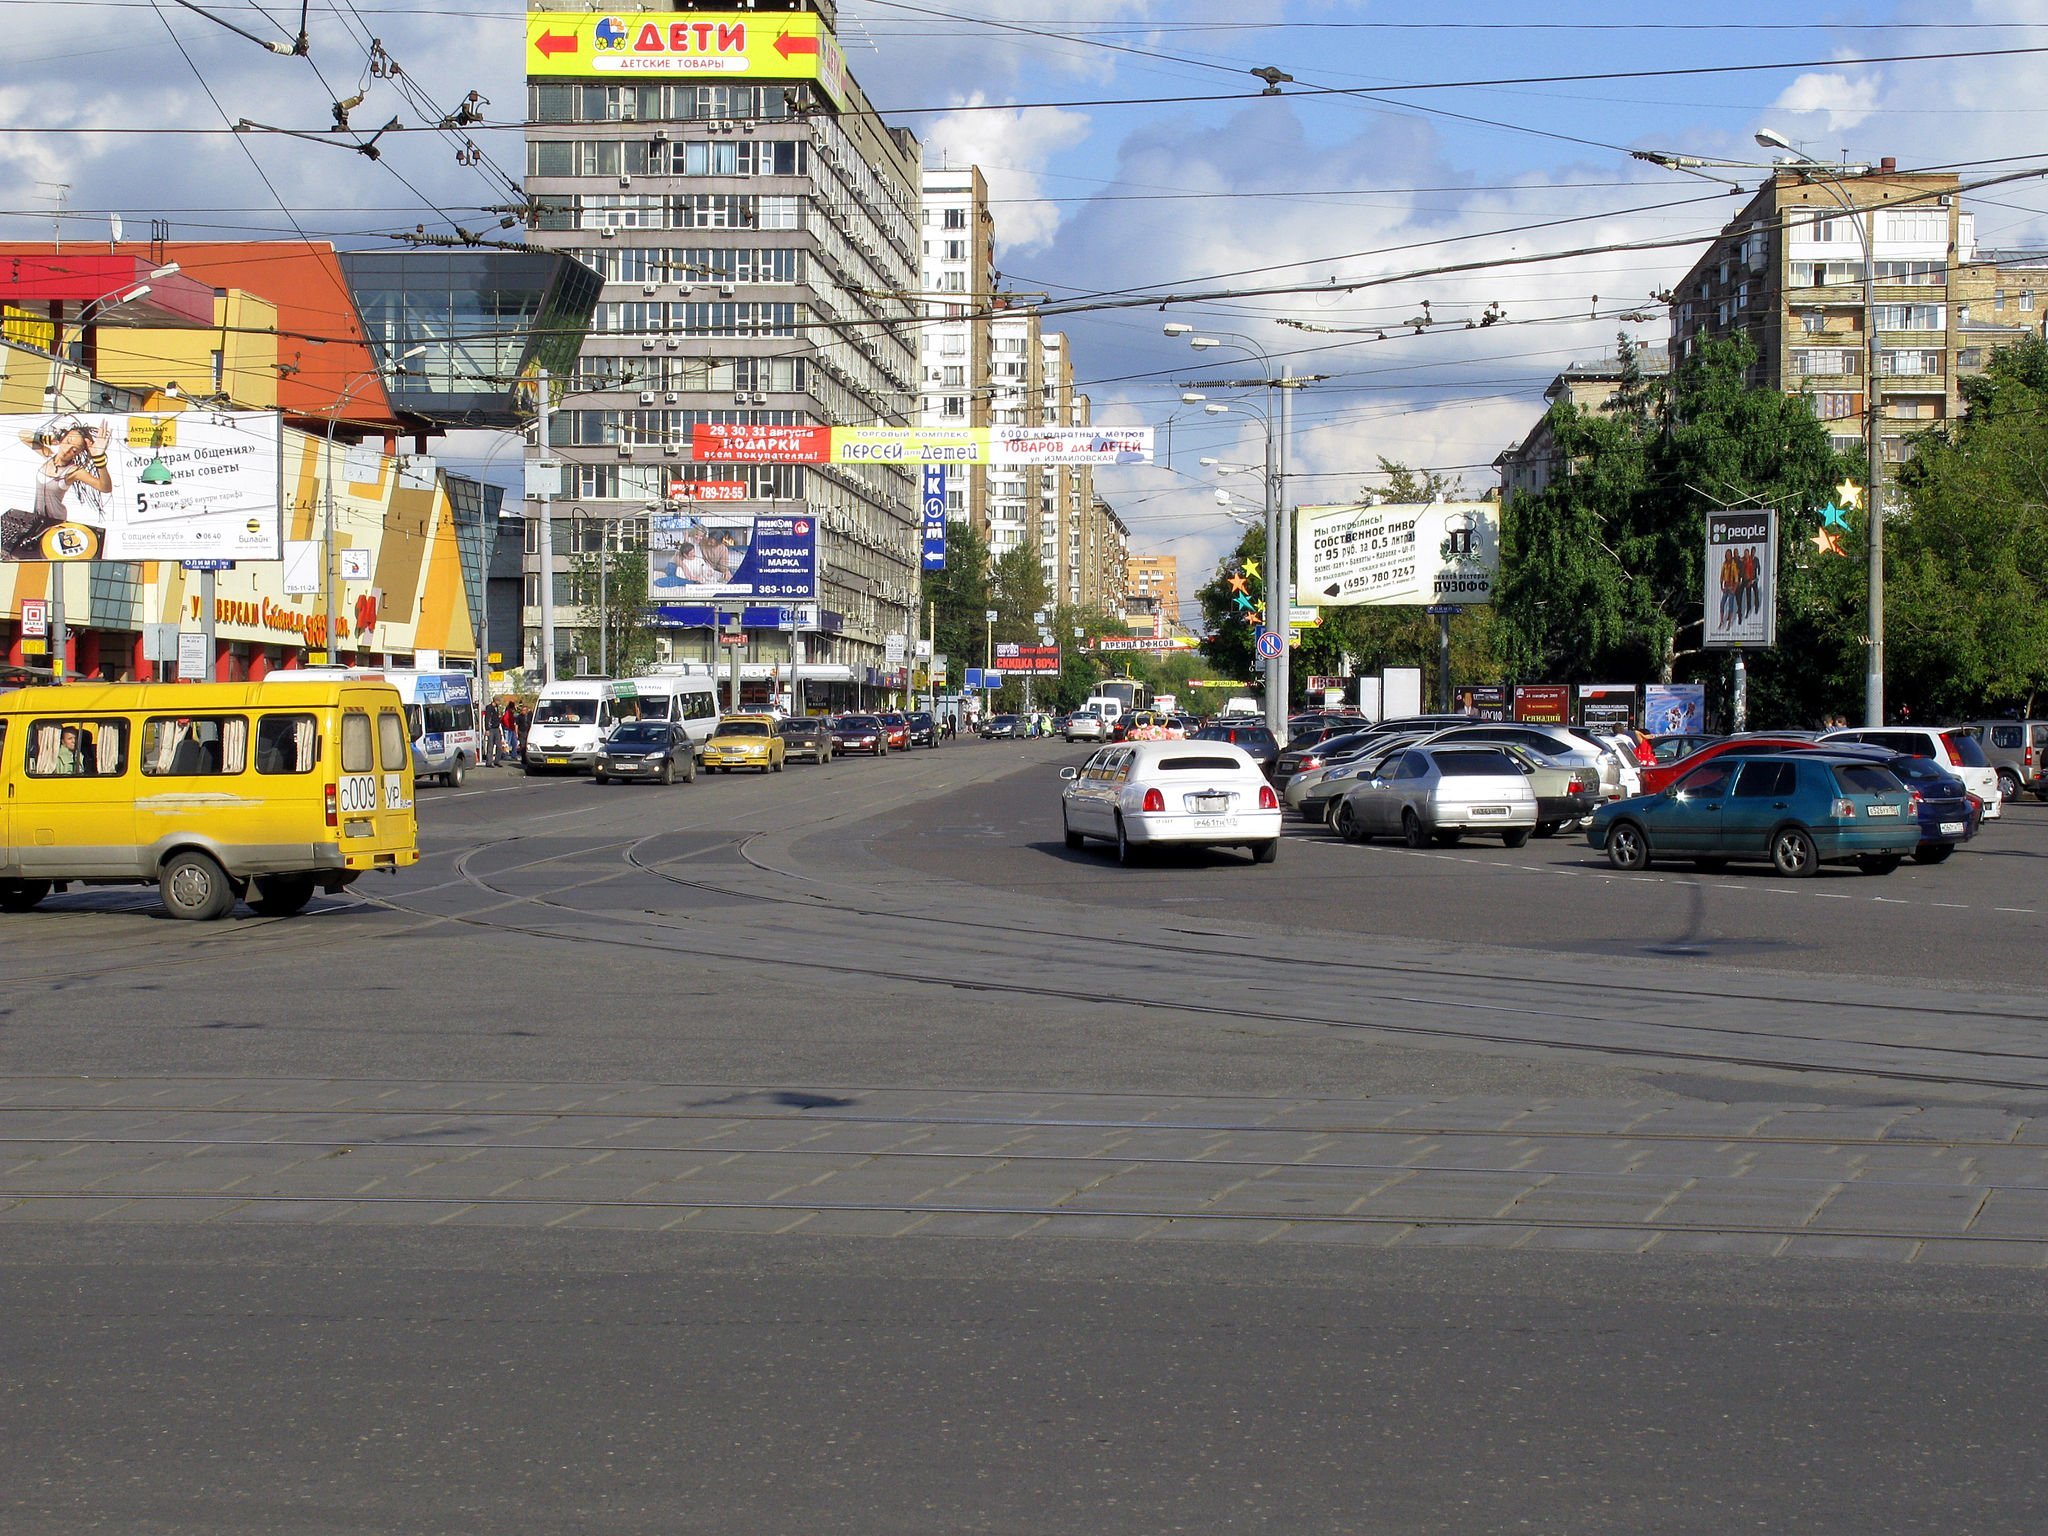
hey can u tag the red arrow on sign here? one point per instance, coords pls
(786, 45)
(549, 43)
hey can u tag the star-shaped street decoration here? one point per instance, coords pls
(1251, 567)
(1849, 494)
(1237, 583)
(1826, 543)
(1242, 600)
(1832, 516)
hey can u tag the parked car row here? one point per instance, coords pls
(657, 752)
(1871, 797)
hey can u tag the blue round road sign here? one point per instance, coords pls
(1269, 644)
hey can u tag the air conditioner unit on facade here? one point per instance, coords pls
(673, 344)
(725, 290)
(646, 397)
(739, 399)
(661, 135)
(760, 399)
(625, 450)
(647, 289)
(625, 181)
(646, 343)
(670, 398)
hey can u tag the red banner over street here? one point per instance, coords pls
(751, 443)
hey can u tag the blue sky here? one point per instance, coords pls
(1134, 191)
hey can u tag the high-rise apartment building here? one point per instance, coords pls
(1788, 272)
(1151, 603)
(959, 254)
(757, 230)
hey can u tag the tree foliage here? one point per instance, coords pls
(1967, 569)
(1601, 571)
(619, 579)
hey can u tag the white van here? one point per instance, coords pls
(1104, 708)
(573, 715)
(440, 715)
(688, 699)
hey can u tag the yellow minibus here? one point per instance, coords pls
(211, 791)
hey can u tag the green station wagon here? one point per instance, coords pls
(1796, 812)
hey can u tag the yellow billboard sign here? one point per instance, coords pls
(713, 47)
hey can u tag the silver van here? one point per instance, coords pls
(2018, 749)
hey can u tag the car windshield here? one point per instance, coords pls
(565, 712)
(1866, 779)
(744, 728)
(1198, 765)
(640, 732)
(859, 723)
(797, 727)
(1919, 770)
(1004, 720)
(1473, 764)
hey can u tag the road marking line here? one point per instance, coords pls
(2028, 910)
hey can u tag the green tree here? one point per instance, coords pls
(612, 586)
(1601, 571)
(1228, 639)
(960, 597)
(1967, 569)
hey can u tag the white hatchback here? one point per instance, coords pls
(1955, 750)
(1145, 793)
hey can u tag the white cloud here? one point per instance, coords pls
(1839, 101)
(1012, 148)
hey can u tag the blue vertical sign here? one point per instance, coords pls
(935, 517)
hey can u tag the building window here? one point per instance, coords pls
(955, 407)
(1911, 317)
(1918, 225)
(1837, 405)
(1909, 361)
(1810, 361)
(956, 218)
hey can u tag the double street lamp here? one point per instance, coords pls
(1279, 575)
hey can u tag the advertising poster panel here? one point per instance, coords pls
(744, 443)
(1543, 703)
(1482, 701)
(1397, 553)
(934, 517)
(1607, 707)
(702, 555)
(1741, 595)
(1671, 709)
(93, 485)
(712, 47)
(1015, 660)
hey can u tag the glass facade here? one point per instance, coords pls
(488, 319)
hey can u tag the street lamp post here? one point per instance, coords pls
(113, 298)
(1864, 223)
(1279, 537)
(328, 574)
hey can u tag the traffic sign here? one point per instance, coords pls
(1443, 610)
(35, 617)
(1269, 644)
(207, 565)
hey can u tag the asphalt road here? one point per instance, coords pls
(835, 1150)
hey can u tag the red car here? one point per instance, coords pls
(1660, 778)
(897, 726)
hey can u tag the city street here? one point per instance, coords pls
(835, 1149)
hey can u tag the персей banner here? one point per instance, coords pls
(98, 485)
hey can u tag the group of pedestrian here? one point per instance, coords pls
(505, 723)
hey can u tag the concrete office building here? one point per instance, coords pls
(1151, 604)
(756, 228)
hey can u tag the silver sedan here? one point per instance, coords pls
(1438, 794)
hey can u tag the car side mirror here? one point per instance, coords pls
(1070, 773)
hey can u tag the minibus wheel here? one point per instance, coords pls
(453, 777)
(280, 895)
(194, 887)
(22, 895)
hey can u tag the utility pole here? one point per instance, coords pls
(1280, 561)
(546, 540)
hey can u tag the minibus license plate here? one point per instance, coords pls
(558, 762)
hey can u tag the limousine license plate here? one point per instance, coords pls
(1954, 828)
(1215, 823)
(1884, 810)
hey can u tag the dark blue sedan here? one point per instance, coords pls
(1949, 814)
